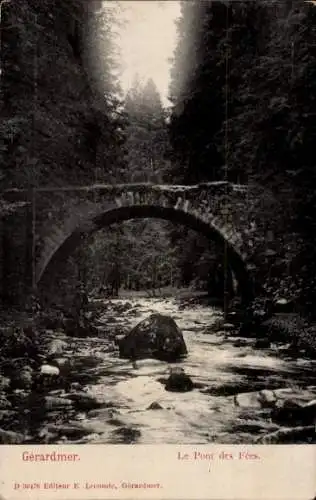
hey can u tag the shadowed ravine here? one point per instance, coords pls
(220, 365)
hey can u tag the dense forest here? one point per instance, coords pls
(240, 113)
(243, 103)
(238, 66)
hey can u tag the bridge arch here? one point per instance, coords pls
(75, 231)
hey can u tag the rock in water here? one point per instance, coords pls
(10, 437)
(4, 402)
(294, 435)
(292, 414)
(263, 343)
(52, 403)
(155, 406)
(157, 337)
(84, 401)
(49, 370)
(23, 378)
(56, 346)
(4, 383)
(179, 381)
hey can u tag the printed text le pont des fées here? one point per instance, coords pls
(218, 455)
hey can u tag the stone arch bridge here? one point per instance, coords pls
(54, 220)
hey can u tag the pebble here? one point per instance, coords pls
(275, 398)
(4, 403)
(299, 395)
(56, 346)
(19, 396)
(155, 406)
(80, 416)
(127, 434)
(22, 379)
(289, 436)
(84, 401)
(60, 393)
(267, 397)
(62, 362)
(10, 437)
(68, 430)
(75, 386)
(291, 413)
(4, 383)
(282, 301)
(7, 414)
(47, 436)
(87, 439)
(49, 370)
(54, 403)
(118, 338)
(263, 343)
(229, 326)
(103, 413)
(179, 382)
(240, 343)
(248, 400)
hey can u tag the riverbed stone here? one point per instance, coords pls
(155, 406)
(294, 435)
(74, 431)
(291, 413)
(179, 381)
(46, 436)
(82, 363)
(23, 378)
(248, 400)
(298, 394)
(52, 403)
(267, 398)
(87, 439)
(10, 437)
(256, 399)
(262, 343)
(127, 435)
(4, 402)
(240, 342)
(118, 339)
(49, 370)
(4, 383)
(103, 413)
(7, 414)
(51, 320)
(229, 326)
(80, 327)
(19, 397)
(56, 346)
(64, 364)
(84, 401)
(157, 336)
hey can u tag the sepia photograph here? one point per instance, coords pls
(157, 225)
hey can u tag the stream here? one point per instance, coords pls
(132, 403)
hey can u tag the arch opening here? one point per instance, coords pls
(115, 215)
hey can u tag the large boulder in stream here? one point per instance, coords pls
(157, 336)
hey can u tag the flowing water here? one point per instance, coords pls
(220, 365)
